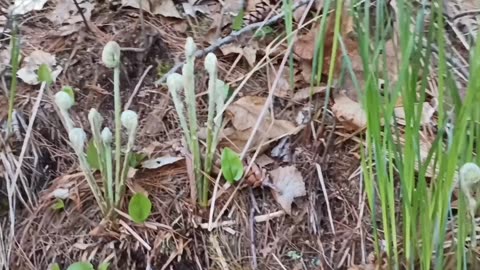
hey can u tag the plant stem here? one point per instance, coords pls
(188, 73)
(109, 172)
(125, 168)
(210, 134)
(13, 85)
(118, 130)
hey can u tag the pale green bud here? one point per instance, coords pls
(175, 82)
(77, 137)
(470, 174)
(63, 100)
(129, 120)
(106, 136)
(190, 47)
(111, 54)
(95, 118)
(211, 63)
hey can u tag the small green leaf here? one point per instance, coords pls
(263, 32)
(232, 166)
(58, 205)
(238, 21)
(69, 91)
(139, 208)
(92, 156)
(294, 255)
(80, 266)
(103, 266)
(44, 74)
(136, 159)
(55, 266)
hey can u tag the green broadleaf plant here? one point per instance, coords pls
(139, 208)
(232, 166)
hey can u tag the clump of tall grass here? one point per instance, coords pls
(392, 156)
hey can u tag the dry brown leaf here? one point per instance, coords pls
(288, 183)
(191, 8)
(165, 8)
(427, 113)
(244, 114)
(305, 92)
(28, 72)
(66, 12)
(249, 52)
(305, 45)
(349, 112)
(21, 7)
(283, 89)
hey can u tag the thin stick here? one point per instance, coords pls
(83, 16)
(137, 88)
(252, 239)
(325, 194)
(229, 39)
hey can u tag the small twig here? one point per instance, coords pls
(137, 87)
(325, 194)
(83, 16)
(229, 39)
(252, 239)
(135, 235)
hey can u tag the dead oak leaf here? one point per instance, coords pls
(244, 114)
(249, 52)
(288, 183)
(349, 112)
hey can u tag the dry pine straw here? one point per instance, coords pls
(175, 235)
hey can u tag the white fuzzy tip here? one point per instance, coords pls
(63, 100)
(77, 137)
(211, 63)
(470, 174)
(175, 82)
(111, 54)
(95, 117)
(129, 120)
(190, 47)
(106, 136)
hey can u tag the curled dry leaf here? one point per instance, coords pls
(288, 183)
(244, 114)
(256, 176)
(349, 112)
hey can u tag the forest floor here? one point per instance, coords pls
(301, 140)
